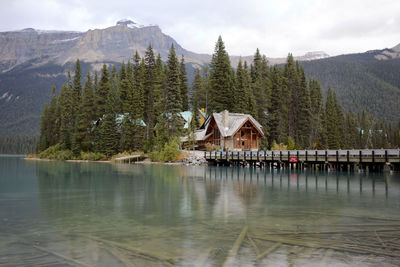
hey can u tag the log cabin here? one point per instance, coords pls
(229, 131)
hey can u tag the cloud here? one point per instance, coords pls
(276, 27)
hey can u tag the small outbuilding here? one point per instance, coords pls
(229, 131)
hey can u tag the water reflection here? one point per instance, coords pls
(192, 214)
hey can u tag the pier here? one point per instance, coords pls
(346, 160)
(131, 159)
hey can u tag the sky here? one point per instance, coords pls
(276, 27)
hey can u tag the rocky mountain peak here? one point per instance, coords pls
(130, 24)
(126, 22)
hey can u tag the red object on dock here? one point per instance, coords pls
(292, 159)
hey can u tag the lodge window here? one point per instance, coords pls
(217, 137)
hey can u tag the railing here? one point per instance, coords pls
(380, 155)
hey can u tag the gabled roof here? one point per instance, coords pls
(235, 122)
(199, 135)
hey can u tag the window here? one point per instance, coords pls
(217, 137)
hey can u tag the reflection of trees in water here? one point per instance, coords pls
(246, 187)
(94, 189)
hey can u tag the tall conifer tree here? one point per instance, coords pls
(149, 84)
(221, 80)
(173, 103)
(102, 92)
(183, 85)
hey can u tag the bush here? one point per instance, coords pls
(169, 152)
(278, 147)
(92, 156)
(57, 152)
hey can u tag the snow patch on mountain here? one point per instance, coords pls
(132, 24)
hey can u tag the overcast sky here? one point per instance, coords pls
(275, 27)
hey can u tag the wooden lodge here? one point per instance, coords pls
(228, 131)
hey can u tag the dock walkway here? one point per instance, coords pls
(374, 160)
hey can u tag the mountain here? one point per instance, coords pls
(32, 61)
(367, 81)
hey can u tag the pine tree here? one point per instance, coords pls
(53, 120)
(243, 97)
(221, 80)
(199, 88)
(351, 132)
(173, 103)
(291, 80)
(102, 92)
(44, 141)
(160, 89)
(83, 135)
(66, 116)
(274, 109)
(138, 98)
(183, 85)
(109, 127)
(126, 88)
(259, 88)
(77, 91)
(149, 84)
(316, 113)
(331, 123)
(339, 122)
(304, 112)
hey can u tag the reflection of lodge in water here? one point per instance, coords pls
(249, 179)
(368, 160)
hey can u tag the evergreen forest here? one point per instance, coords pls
(136, 107)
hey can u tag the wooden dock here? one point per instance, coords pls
(370, 160)
(131, 158)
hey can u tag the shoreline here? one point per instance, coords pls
(143, 162)
(192, 159)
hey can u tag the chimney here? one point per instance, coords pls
(225, 119)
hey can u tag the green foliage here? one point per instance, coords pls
(291, 145)
(18, 144)
(92, 156)
(278, 147)
(102, 91)
(173, 95)
(169, 152)
(57, 152)
(184, 89)
(109, 131)
(221, 80)
(360, 81)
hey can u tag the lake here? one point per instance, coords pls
(100, 214)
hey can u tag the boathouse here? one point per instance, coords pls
(228, 131)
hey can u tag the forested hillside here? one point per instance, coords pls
(361, 82)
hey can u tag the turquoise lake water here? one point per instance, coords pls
(101, 214)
